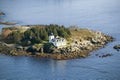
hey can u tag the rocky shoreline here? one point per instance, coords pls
(77, 48)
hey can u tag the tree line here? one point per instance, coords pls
(38, 34)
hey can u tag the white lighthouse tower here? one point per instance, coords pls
(51, 37)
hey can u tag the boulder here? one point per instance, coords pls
(94, 41)
(117, 47)
(25, 48)
(34, 49)
(31, 49)
(2, 13)
(19, 48)
(13, 53)
(41, 50)
(54, 51)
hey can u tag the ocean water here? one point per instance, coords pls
(99, 15)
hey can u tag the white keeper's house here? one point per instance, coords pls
(57, 41)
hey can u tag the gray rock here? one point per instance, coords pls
(19, 48)
(25, 48)
(2, 13)
(117, 47)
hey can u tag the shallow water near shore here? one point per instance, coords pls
(99, 15)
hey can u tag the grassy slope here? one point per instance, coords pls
(81, 34)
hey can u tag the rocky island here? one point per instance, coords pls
(51, 41)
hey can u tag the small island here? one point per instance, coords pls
(51, 41)
(5, 22)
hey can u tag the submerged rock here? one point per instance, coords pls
(104, 55)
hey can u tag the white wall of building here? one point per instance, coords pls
(57, 41)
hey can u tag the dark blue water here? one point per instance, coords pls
(99, 15)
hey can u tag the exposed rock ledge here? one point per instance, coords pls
(78, 48)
